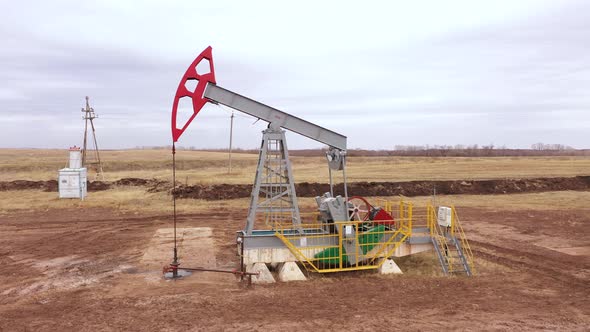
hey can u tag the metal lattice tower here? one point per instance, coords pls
(274, 182)
(91, 160)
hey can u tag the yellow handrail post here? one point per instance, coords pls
(340, 249)
(429, 219)
(411, 208)
(453, 220)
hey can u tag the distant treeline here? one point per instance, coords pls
(537, 149)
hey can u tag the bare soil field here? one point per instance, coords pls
(85, 269)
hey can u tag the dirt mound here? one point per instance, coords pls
(479, 187)
(153, 185)
(214, 191)
(50, 185)
(131, 182)
(97, 186)
(306, 189)
(411, 188)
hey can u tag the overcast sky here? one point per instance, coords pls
(384, 73)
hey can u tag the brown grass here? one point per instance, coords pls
(211, 167)
(553, 200)
(138, 200)
(120, 199)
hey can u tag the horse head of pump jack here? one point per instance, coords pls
(198, 100)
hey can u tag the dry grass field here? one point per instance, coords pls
(81, 265)
(199, 167)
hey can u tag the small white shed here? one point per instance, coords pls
(445, 216)
(72, 180)
(72, 183)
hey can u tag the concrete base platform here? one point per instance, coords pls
(290, 271)
(264, 248)
(389, 267)
(264, 276)
(268, 248)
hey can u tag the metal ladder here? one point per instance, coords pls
(448, 243)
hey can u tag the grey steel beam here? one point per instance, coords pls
(272, 115)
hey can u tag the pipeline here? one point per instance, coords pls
(174, 270)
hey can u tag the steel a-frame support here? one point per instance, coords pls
(273, 195)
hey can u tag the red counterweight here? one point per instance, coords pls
(380, 216)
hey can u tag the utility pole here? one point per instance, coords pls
(88, 117)
(231, 132)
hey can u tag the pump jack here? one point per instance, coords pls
(352, 234)
(274, 178)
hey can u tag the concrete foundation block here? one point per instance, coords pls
(268, 255)
(290, 271)
(264, 276)
(389, 267)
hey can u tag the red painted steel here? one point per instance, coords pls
(196, 96)
(380, 216)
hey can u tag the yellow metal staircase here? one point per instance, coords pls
(450, 244)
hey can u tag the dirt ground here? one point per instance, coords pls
(88, 270)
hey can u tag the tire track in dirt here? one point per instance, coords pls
(559, 268)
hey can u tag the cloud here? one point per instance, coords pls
(462, 73)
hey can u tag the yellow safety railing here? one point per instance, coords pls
(274, 219)
(386, 205)
(299, 254)
(362, 245)
(347, 245)
(457, 230)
